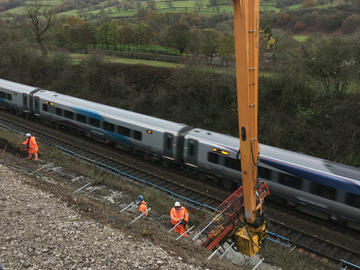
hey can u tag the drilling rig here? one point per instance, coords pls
(240, 217)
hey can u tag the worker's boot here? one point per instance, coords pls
(36, 156)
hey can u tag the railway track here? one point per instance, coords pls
(314, 244)
(281, 232)
(116, 167)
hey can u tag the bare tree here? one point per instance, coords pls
(41, 20)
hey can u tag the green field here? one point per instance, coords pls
(295, 6)
(114, 12)
(77, 57)
(18, 10)
(46, 2)
(161, 6)
(300, 38)
(268, 7)
(22, 10)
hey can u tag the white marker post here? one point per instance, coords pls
(184, 233)
(176, 225)
(126, 207)
(142, 214)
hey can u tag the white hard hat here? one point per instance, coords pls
(177, 204)
(28, 135)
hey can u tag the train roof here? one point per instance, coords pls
(17, 87)
(314, 163)
(229, 142)
(110, 112)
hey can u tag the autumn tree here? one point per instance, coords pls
(226, 48)
(330, 62)
(299, 26)
(41, 20)
(142, 35)
(351, 24)
(209, 42)
(194, 41)
(329, 22)
(308, 3)
(282, 18)
(125, 36)
(177, 37)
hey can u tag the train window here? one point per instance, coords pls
(58, 111)
(109, 127)
(137, 135)
(191, 147)
(45, 107)
(169, 142)
(232, 163)
(68, 114)
(25, 101)
(123, 131)
(94, 122)
(213, 157)
(290, 181)
(36, 104)
(353, 200)
(9, 96)
(264, 173)
(81, 118)
(323, 191)
(2, 94)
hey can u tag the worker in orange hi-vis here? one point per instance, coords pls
(179, 213)
(31, 146)
(142, 205)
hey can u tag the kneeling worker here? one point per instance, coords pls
(179, 213)
(31, 146)
(142, 204)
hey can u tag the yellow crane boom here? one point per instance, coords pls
(246, 28)
(241, 216)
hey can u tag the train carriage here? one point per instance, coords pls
(213, 152)
(313, 185)
(133, 130)
(16, 96)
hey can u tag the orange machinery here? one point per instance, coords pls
(241, 216)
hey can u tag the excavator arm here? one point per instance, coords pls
(246, 27)
(240, 216)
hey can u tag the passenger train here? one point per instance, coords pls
(314, 185)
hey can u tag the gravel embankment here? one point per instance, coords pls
(39, 231)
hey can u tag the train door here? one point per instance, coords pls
(191, 151)
(25, 102)
(36, 105)
(31, 103)
(168, 145)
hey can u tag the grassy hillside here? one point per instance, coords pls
(121, 8)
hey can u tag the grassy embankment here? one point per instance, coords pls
(159, 201)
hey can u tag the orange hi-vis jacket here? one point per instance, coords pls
(31, 142)
(176, 215)
(143, 207)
